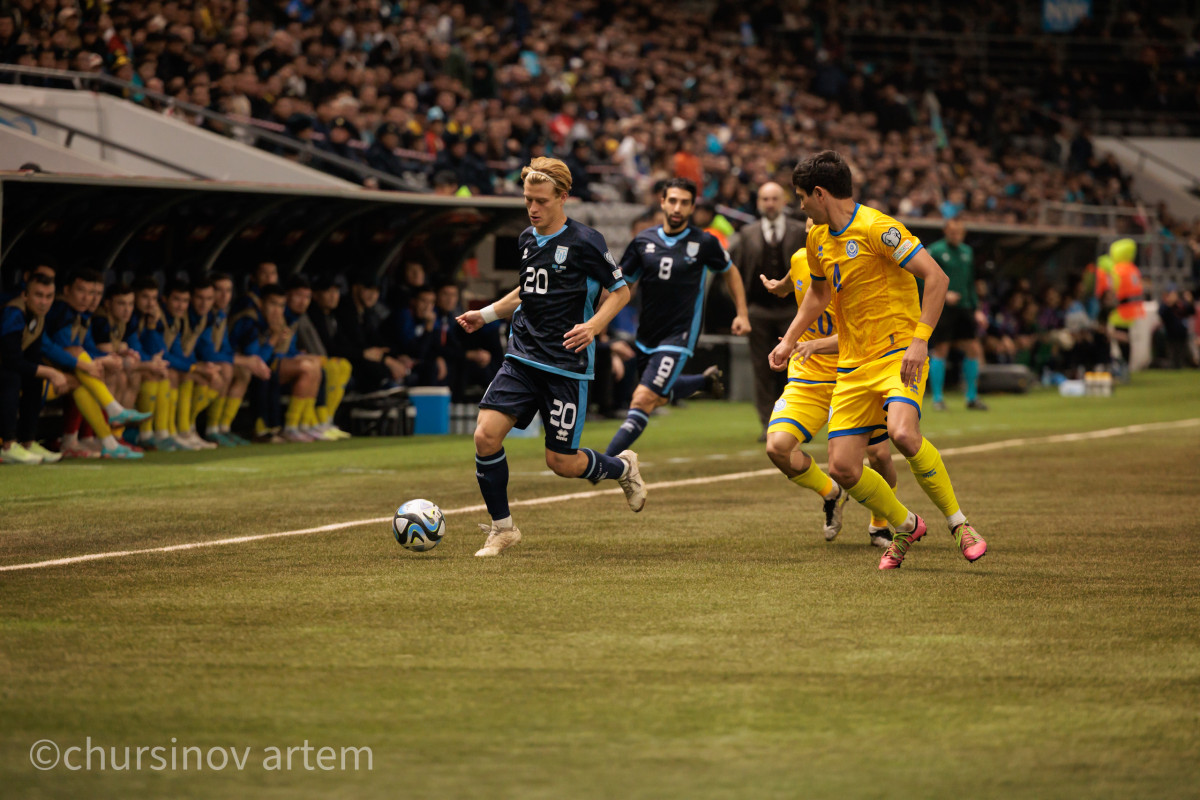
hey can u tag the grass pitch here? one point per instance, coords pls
(713, 646)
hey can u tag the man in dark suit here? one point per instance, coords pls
(765, 248)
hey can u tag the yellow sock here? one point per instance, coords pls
(162, 406)
(201, 397)
(930, 472)
(874, 493)
(260, 427)
(145, 403)
(878, 521)
(216, 410)
(337, 375)
(295, 409)
(229, 411)
(308, 417)
(174, 406)
(94, 385)
(814, 478)
(91, 411)
(183, 412)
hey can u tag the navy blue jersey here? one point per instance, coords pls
(561, 278)
(673, 271)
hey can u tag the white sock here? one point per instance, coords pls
(109, 442)
(956, 519)
(71, 440)
(910, 524)
(503, 524)
(113, 408)
(162, 435)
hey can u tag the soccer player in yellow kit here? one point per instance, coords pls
(866, 262)
(803, 409)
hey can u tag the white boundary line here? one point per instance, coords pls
(987, 447)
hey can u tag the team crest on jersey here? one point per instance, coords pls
(608, 257)
(560, 254)
(693, 249)
(891, 238)
(780, 404)
(852, 249)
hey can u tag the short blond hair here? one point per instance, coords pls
(548, 170)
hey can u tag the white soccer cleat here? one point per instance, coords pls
(631, 482)
(833, 513)
(880, 537)
(497, 540)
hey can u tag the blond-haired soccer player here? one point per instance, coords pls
(551, 349)
(803, 409)
(865, 261)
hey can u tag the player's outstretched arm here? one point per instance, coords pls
(779, 288)
(924, 267)
(737, 290)
(503, 308)
(816, 347)
(815, 301)
(584, 333)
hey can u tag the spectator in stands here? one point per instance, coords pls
(381, 155)
(23, 374)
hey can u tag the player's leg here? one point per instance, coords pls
(926, 463)
(117, 414)
(647, 396)
(856, 417)
(563, 402)
(972, 362)
(937, 374)
(33, 391)
(238, 384)
(802, 408)
(508, 401)
(11, 449)
(303, 375)
(879, 456)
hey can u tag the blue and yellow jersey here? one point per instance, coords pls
(817, 368)
(875, 302)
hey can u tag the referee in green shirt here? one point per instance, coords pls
(959, 324)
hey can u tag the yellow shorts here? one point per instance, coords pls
(863, 393)
(802, 409)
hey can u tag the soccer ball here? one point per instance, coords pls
(419, 525)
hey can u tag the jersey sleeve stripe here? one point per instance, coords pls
(918, 249)
(817, 277)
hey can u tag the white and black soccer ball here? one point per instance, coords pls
(419, 525)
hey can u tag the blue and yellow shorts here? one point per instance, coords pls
(863, 393)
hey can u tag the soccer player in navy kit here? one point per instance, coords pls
(672, 262)
(551, 350)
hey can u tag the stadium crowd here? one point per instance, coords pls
(169, 367)
(456, 96)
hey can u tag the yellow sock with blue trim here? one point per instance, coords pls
(930, 472)
(295, 409)
(874, 493)
(877, 521)
(814, 478)
(216, 410)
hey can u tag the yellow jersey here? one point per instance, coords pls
(875, 302)
(821, 367)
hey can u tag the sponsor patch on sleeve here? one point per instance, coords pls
(901, 251)
(617, 275)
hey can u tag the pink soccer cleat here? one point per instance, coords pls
(893, 557)
(971, 544)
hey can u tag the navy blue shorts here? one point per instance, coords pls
(660, 366)
(521, 391)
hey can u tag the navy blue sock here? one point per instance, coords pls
(688, 385)
(629, 431)
(601, 467)
(492, 474)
